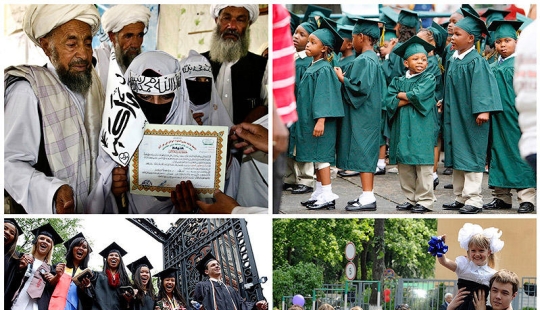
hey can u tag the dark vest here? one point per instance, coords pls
(246, 76)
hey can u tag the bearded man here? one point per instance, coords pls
(52, 114)
(240, 75)
(125, 26)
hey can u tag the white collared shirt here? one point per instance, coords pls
(468, 270)
(408, 74)
(462, 55)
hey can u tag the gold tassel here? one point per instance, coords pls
(381, 43)
(478, 46)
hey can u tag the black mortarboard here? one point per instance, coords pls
(472, 25)
(48, 230)
(316, 11)
(468, 8)
(201, 265)
(14, 223)
(445, 25)
(113, 247)
(493, 14)
(143, 261)
(67, 244)
(328, 35)
(504, 29)
(167, 273)
(409, 18)
(413, 46)
(389, 17)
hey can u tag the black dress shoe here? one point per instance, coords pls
(330, 205)
(360, 207)
(308, 202)
(420, 209)
(405, 206)
(468, 209)
(302, 189)
(351, 202)
(288, 187)
(526, 207)
(448, 171)
(497, 204)
(453, 206)
(348, 173)
(435, 183)
(380, 171)
(449, 186)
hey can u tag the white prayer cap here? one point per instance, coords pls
(253, 10)
(196, 65)
(119, 16)
(40, 19)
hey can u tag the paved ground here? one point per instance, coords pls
(388, 194)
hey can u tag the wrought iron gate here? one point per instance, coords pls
(191, 239)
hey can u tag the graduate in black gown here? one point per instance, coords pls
(142, 281)
(214, 294)
(169, 296)
(12, 272)
(105, 286)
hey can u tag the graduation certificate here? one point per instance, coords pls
(169, 154)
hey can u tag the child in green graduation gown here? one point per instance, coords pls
(507, 169)
(360, 131)
(410, 103)
(470, 96)
(319, 105)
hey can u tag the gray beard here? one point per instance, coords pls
(123, 59)
(228, 50)
(79, 82)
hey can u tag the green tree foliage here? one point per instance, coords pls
(66, 228)
(298, 279)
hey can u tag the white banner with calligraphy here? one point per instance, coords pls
(123, 121)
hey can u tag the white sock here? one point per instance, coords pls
(326, 189)
(435, 176)
(317, 191)
(367, 198)
(381, 163)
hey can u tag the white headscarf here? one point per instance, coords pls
(40, 19)
(196, 65)
(172, 80)
(253, 10)
(121, 15)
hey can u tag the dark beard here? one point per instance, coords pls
(79, 82)
(224, 50)
(124, 59)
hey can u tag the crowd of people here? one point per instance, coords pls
(33, 281)
(363, 85)
(53, 159)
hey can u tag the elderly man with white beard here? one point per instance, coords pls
(125, 26)
(52, 114)
(240, 75)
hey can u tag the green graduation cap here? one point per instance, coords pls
(505, 29)
(49, 231)
(440, 35)
(368, 27)
(413, 46)
(328, 35)
(309, 27)
(472, 25)
(409, 18)
(468, 8)
(493, 14)
(346, 20)
(389, 17)
(345, 31)
(315, 10)
(445, 25)
(389, 34)
(295, 21)
(526, 21)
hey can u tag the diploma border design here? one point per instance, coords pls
(184, 133)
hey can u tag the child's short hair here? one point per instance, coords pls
(481, 241)
(296, 307)
(403, 307)
(506, 276)
(405, 33)
(372, 40)
(428, 32)
(356, 308)
(326, 307)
